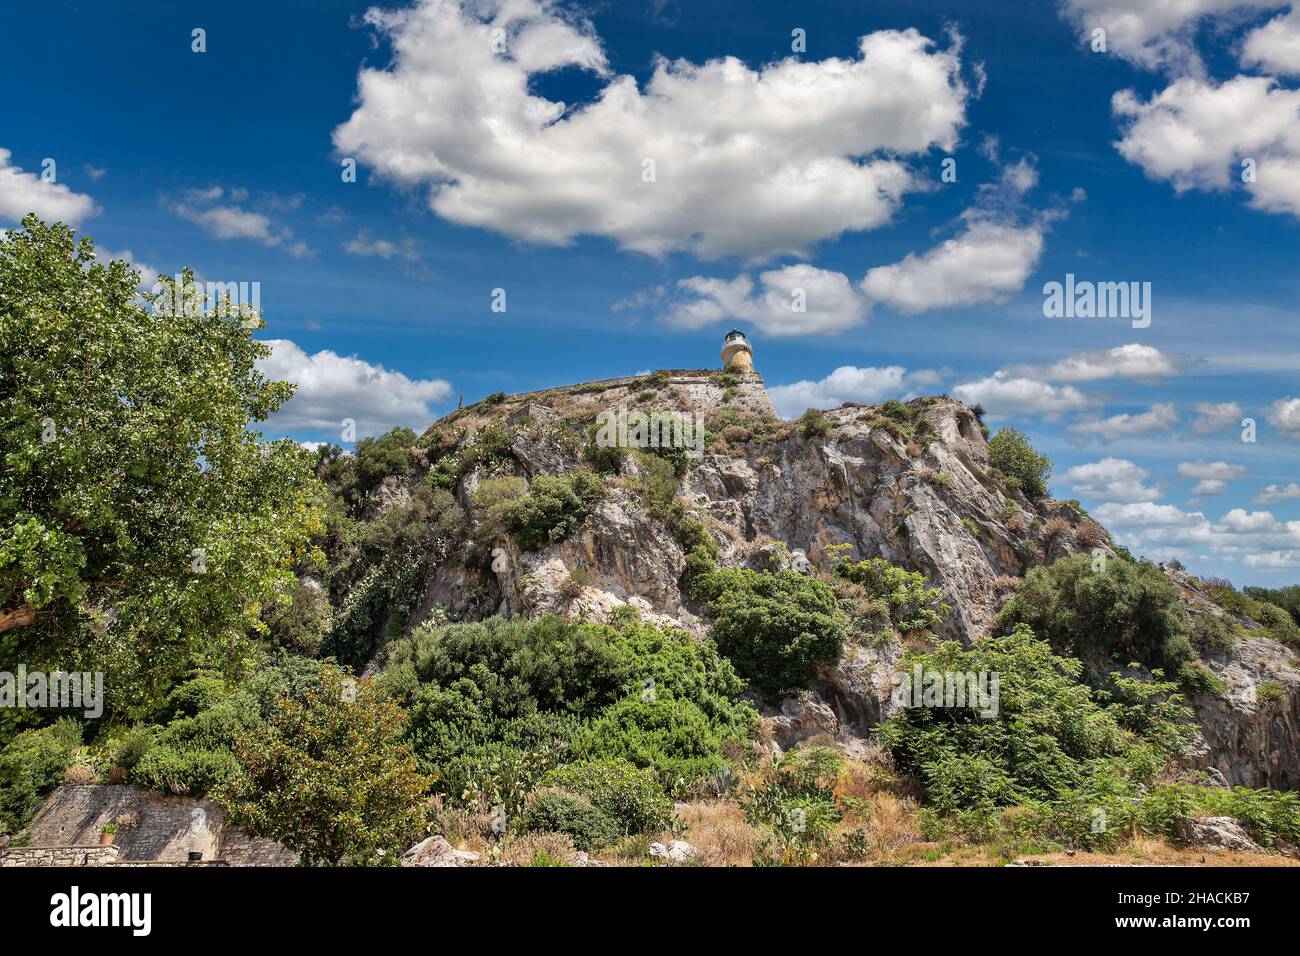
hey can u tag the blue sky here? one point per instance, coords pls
(515, 161)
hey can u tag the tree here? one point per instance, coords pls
(1011, 454)
(329, 776)
(142, 525)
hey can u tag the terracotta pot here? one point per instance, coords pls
(106, 839)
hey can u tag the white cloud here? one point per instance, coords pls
(1158, 418)
(1210, 486)
(22, 193)
(1110, 480)
(829, 303)
(1214, 417)
(333, 387)
(1273, 559)
(1153, 33)
(1133, 361)
(1195, 134)
(363, 244)
(1274, 47)
(1002, 395)
(1272, 494)
(986, 262)
(750, 162)
(849, 384)
(1284, 415)
(199, 206)
(1164, 527)
(1212, 470)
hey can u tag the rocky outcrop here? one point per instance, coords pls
(436, 851)
(909, 484)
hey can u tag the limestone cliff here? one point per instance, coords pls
(909, 483)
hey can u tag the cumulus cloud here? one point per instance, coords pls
(986, 262)
(850, 384)
(1272, 494)
(1284, 415)
(1002, 395)
(333, 387)
(1154, 33)
(228, 220)
(1274, 47)
(1110, 480)
(753, 162)
(1215, 417)
(1133, 361)
(1210, 469)
(1272, 559)
(22, 193)
(1165, 529)
(1196, 134)
(795, 300)
(1159, 418)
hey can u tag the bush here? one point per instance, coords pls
(378, 458)
(554, 508)
(1128, 612)
(796, 801)
(31, 765)
(1051, 736)
(1012, 455)
(672, 737)
(628, 794)
(911, 603)
(775, 627)
(558, 812)
(814, 423)
(190, 772)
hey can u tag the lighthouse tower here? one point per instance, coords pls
(737, 356)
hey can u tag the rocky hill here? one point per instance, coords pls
(910, 483)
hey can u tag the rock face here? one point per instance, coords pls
(436, 851)
(1222, 833)
(914, 488)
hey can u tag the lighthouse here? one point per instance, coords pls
(737, 356)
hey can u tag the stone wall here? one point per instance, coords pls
(59, 855)
(151, 827)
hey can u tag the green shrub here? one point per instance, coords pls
(672, 737)
(775, 627)
(1011, 454)
(554, 508)
(557, 812)
(912, 605)
(814, 423)
(796, 801)
(378, 458)
(31, 765)
(191, 772)
(1268, 691)
(630, 795)
(1051, 735)
(1127, 612)
(134, 745)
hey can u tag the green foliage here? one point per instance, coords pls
(814, 423)
(1011, 454)
(795, 800)
(488, 449)
(496, 398)
(554, 508)
(130, 480)
(31, 765)
(775, 627)
(1270, 691)
(557, 812)
(1287, 598)
(1051, 738)
(1126, 612)
(382, 457)
(629, 795)
(495, 705)
(912, 605)
(672, 737)
(330, 776)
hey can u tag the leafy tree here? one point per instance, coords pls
(142, 524)
(1012, 455)
(31, 765)
(330, 776)
(1128, 611)
(776, 628)
(378, 458)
